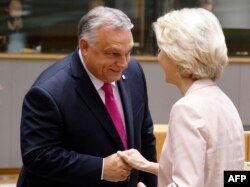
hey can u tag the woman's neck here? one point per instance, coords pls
(185, 84)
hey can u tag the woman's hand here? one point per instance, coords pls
(140, 184)
(137, 161)
(134, 159)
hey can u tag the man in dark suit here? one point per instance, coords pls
(68, 138)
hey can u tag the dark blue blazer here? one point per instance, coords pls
(66, 130)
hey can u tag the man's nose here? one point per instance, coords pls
(123, 61)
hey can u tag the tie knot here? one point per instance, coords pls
(107, 88)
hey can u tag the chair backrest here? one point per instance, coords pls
(247, 145)
(247, 165)
(160, 132)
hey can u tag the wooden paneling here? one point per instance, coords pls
(51, 56)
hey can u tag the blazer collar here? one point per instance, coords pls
(76, 64)
(201, 83)
(125, 91)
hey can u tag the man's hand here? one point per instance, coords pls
(115, 169)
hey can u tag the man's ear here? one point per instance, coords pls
(83, 46)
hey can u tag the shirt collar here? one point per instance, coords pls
(97, 82)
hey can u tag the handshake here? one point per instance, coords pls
(118, 166)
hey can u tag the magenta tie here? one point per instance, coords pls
(112, 108)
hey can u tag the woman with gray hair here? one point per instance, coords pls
(205, 135)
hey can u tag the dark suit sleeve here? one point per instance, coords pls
(43, 148)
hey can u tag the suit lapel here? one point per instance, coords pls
(127, 109)
(91, 99)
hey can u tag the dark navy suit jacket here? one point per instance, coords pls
(66, 130)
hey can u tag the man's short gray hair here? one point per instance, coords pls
(101, 16)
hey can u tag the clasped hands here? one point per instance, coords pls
(118, 166)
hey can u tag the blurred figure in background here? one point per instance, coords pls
(95, 3)
(206, 4)
(15, 23)
(16, 39)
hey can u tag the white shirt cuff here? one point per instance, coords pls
(102, 168)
